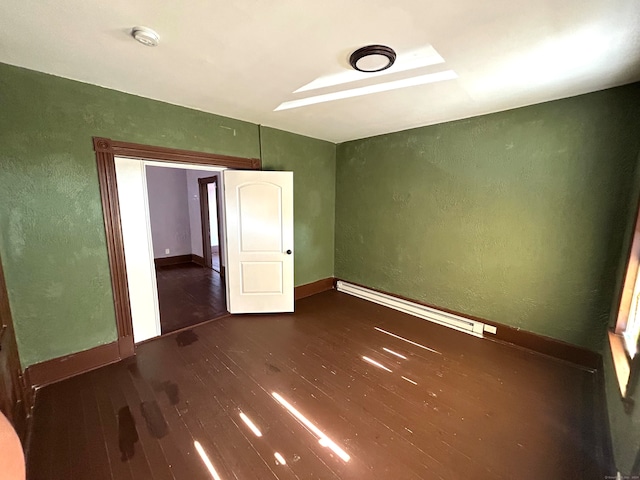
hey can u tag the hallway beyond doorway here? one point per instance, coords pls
(189, 294)
(215, 258)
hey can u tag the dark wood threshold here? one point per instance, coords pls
(515, 336)
(61, 368)
(301, 291)
(184, 329)
(319, 286)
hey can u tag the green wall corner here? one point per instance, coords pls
(313, 163)
(517, 217)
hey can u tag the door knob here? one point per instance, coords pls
(288, 252)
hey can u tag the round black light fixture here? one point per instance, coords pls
(372, 58)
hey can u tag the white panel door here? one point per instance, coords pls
(138, 252)
(259, 215)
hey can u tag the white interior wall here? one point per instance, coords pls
(213, 213)
(169, 211)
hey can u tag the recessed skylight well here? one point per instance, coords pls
(377, 88)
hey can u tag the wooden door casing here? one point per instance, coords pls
(13, 394)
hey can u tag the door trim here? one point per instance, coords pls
(106, 150)
(205, 223)
(19, 396)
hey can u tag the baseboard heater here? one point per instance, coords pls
(447, 319)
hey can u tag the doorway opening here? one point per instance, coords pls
(189, 289)
(264, 282)
(211, 223)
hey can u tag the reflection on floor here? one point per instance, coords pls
(323, 393)
(215, 258)
(189, 294)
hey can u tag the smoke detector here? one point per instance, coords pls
(145, 36)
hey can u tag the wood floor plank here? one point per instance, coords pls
(156, 456)
(109, 421)
(157, 396)
(209, 423)
(127, 440)
(185, 418)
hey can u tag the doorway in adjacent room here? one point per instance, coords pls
(154, 232)
(189, 283)
(211, 222)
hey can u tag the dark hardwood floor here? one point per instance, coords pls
(368, 404)
(189, 294)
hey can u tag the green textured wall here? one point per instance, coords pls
(313, 163)
(517, 217)
(52, 239)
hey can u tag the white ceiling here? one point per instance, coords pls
(243, 58)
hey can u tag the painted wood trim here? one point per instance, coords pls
(205, 227)
(313, 288)
(522, 338)
(179, 259)
(174, 260)
(106, 150)
(126, 346)
(205, 223)
(198, 260)
(546, 345)
(150, 152)
(115, 249)
(68, 366)
(20, 396)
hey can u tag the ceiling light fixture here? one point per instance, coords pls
(408, 60)
(145, 36)
(372, 58)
